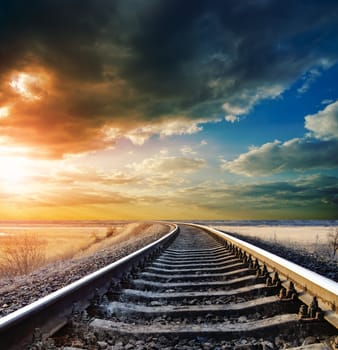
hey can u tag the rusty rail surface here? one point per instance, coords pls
(52, 312)
(307, 283)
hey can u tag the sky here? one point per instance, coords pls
(168, 109)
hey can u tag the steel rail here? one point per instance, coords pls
(52, 312)
(307, 283)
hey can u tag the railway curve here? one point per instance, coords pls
(196, 289)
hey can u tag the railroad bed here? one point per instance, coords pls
(198, 293)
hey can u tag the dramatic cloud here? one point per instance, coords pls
(77, 76)
(312, 193)
(297, 154)
(293, 155)
(324, 124)
(234, 112)
(166, 164)
(165, 128)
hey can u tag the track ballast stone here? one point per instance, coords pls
(218, 302)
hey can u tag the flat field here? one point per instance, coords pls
(311, 238)
(24, 247)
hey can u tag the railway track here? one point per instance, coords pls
(192, 290)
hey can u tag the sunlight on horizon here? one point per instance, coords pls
(4, 112)
(122, 111)
(14, 170)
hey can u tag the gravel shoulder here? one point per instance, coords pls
(320, 263)
(22, 290)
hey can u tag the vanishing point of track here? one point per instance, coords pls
(192, 290)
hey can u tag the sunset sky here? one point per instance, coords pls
(168, 109)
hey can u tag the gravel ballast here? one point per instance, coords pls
(322, 264)
(19, 291)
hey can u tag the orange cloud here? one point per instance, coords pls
(72, 73)
(44, 116)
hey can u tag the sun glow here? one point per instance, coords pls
(13, 170)
(29, 86)
(4, 112)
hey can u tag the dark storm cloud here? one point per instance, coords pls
(125, 63)
(220, 50)
(61, 34)
(293, 155)
(316, 196)
(317, 188)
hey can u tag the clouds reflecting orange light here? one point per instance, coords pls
(13, 170)
(4, 112)
(31, 86)
(168, 109)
